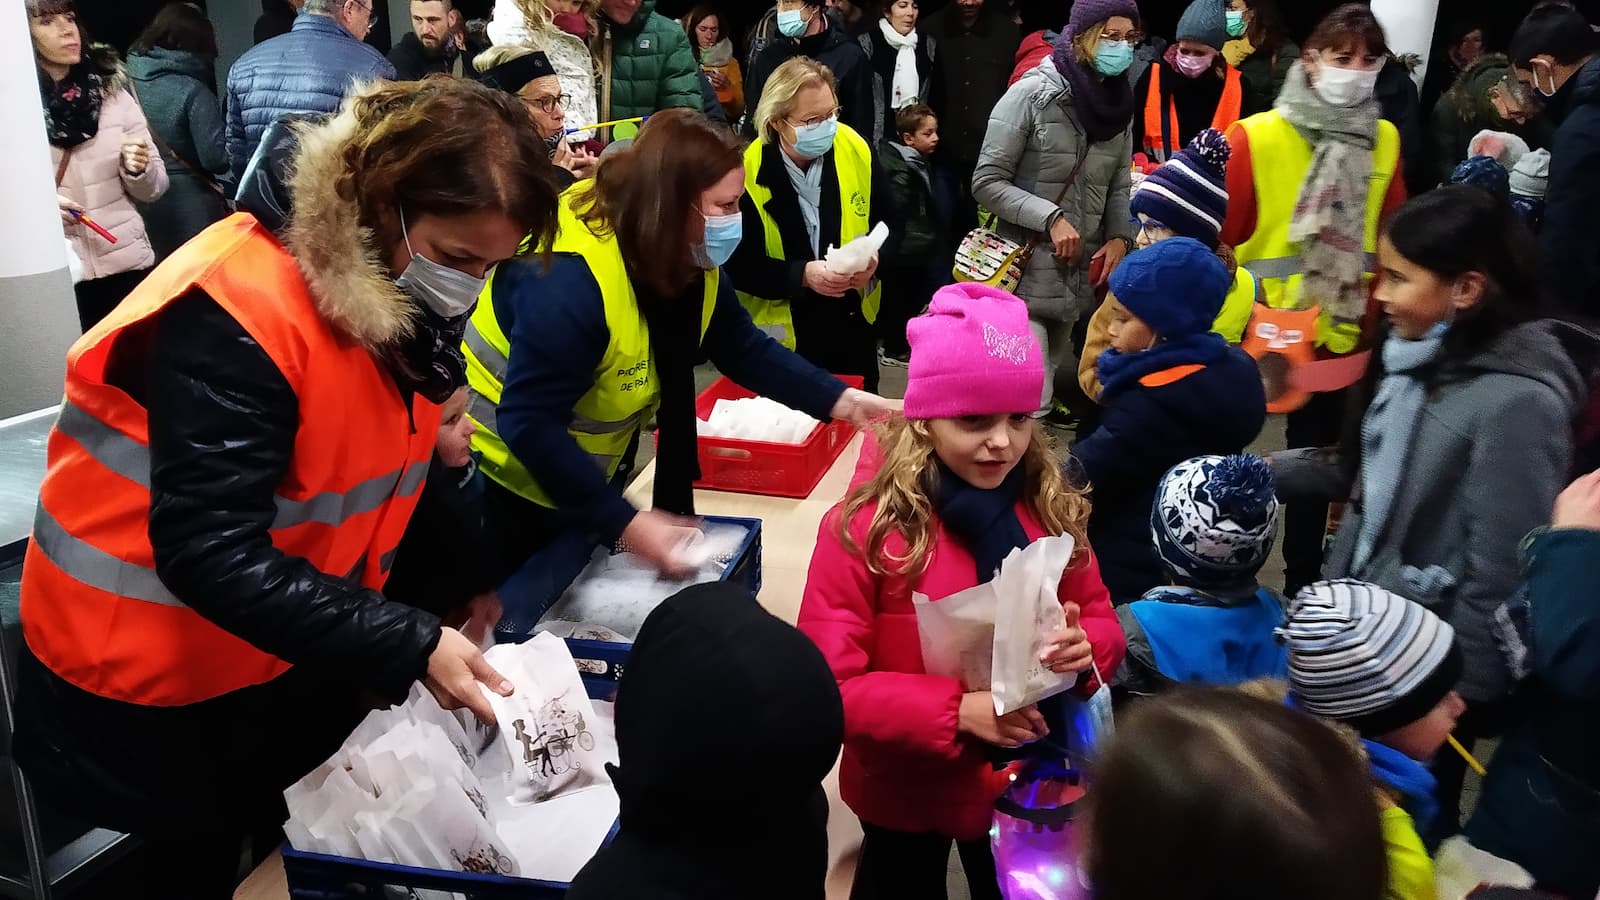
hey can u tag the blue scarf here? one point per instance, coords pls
(1119, 371)
(1411, 778)
(1387, 431)
(985, 521)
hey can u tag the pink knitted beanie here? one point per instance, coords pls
(973, 354)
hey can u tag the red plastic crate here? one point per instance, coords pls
(761, 467)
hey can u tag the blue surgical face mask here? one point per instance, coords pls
(722, 238)
(792, 22)
(1112, 58)
(811, 141)
(1235, 19)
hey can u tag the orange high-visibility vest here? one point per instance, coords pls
(93, 608)
(1227, 113)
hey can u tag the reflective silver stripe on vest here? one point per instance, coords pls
(493, 360)
(333, 508)
(386, 561)
(776, 332)
(1289, 266)
(109, 447)
(96, 568)
(482, 411)
(586, 425)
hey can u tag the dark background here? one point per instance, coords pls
(119, 23)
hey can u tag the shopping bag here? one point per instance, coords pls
(545, 725)
(1028, 610)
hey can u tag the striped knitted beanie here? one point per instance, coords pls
(1188, 193)
(1366, 657)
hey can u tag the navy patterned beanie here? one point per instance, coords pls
(1215, 519)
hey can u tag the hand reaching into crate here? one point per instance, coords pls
(660, 538)
(455, 668)
(860, 408)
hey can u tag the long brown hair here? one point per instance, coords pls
(908, 479)
(1238, 797)
(449, 147)
(644, 195)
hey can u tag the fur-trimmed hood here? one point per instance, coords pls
(352, 285)
(105, 60)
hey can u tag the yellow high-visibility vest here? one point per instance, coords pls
(852, 160)
(1280, 158)
(625, 392)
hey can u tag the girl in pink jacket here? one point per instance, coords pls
(965, 477)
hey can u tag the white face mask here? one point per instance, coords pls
(1345, 87)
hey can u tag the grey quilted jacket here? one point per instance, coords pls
(1033, 142)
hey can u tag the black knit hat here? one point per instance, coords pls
(513, 75)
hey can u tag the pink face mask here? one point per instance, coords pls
(572, 23)
(1194, 66)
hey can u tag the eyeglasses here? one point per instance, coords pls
(1132, 37)
(372, 14)
(815, 120)
(549, 104)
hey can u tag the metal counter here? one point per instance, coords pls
(22, 463)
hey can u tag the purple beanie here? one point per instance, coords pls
(1092, 12)
(973, 354)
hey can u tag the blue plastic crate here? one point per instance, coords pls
(318, 876)
(530, 593)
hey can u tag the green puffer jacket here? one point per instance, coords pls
(650, 63)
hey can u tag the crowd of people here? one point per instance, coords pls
(367, 336)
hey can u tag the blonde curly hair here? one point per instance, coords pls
(908, 479)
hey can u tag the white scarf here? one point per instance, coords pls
(905, 84)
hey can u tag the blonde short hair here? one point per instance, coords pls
(783, 85)
(498, 54)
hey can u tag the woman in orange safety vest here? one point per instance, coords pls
(242, 443)
(1191, 87)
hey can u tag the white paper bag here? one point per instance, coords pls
(545, 723)
(989, 636)
(1027, 612)
(957, 635)
(855, 256)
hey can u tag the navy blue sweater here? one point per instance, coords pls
(1146, 431)
(557, 326)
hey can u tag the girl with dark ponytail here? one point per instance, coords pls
(1466, 435)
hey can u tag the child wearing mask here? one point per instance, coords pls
(1467, 436)
(924, 195)
(1385, 667)
(443, 563)
(966, 478)
(1211, 794)
(1214, 521)
(1173, 390)
(1187, 197)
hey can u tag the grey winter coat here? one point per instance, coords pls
(1493, 447)
(1033, 142)
(178, 103)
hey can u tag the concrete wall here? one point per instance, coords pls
(38, 318)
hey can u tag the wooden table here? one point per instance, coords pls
(788, 537)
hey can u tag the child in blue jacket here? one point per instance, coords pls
(1213, 524)
(1172, 390)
